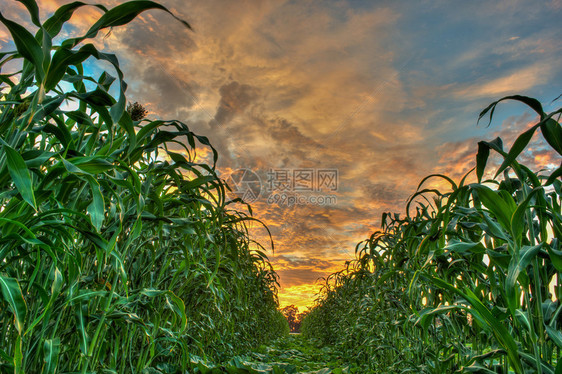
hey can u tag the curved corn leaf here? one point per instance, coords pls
(54, 24)
(552, 133)
(518, 146)
(495, 204)
(33, 10)
(518, 217)
(51, 351)
(120, 15)
(20, 175)
(12, 294)
(26, 45)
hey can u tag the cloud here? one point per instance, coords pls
(385, 93)
(520, 80)
(235, 97)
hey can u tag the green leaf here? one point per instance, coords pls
(20, 175)
(97, 206)
(555, 335)
(63, 58)
(516, 266)
(532, 103)
(482, 159)
(54, 24)
(92, 165)
(465, 248)
(26, 45)
(495, 204)
(555, 257)
(51, 350)
(82, 327)
(176, 304)
(121, 15)
(12, 294)
(517, 147)
(518, 217)
(55, 291)
(18, 356)
(555, 175)
(33, 10)
(552, 132)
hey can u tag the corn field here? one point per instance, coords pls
(467, 281)
(119, 251)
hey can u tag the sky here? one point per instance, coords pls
(327, 113)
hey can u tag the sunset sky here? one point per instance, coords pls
(339, 107)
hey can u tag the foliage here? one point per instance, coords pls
(119, 252)
(290, 354)
(462, 285)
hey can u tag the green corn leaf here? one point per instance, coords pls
(26, 45)
(427, 314)
(127, 124)
(555, 335)
(36, 158)
(63, 58)
(49, 105)
(495, 204)
(82, 328)
(518, 217)
(554, 176)
(148, 130)
(518, 147)
(18, 356)
(120, 15)
(531, 360)
(199, 181)
(118, 264)
(482, 159)
(97, 206)
(20, 175)
(532, 103)
(14, 297)
(475, 368)
(55, 291)
(33, 10)
(80, 118)
(555, 257)
(176, 304)
(54, 24)
(523, 318)
(552, 132)
(465, 248)
(4, 356)
(92, 165)
(51, 350)
(516, 266)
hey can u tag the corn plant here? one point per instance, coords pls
(462, 285)
(119, 252)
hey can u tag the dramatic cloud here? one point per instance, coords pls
(384, 93)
